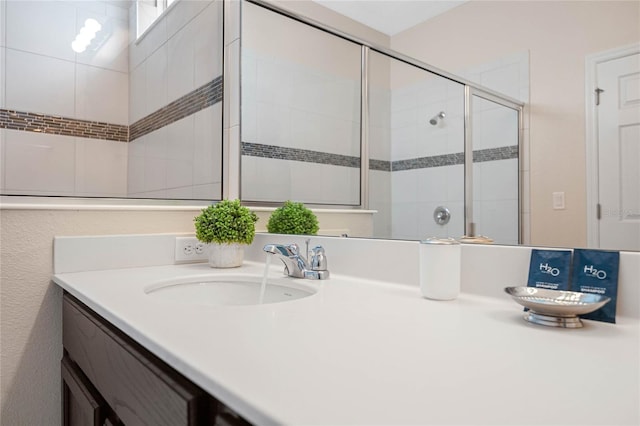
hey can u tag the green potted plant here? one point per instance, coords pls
(227, 227)
(293, 218)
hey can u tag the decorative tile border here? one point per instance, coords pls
(295, 154)
(426, 162)
(493, 154)
(199, 99)
(57, 125)
(380, 165)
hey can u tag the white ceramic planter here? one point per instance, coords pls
(226, 255)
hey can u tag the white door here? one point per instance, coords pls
(619, 152)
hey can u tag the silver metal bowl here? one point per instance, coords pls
(556, 308)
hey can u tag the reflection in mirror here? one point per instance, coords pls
(416, 138)
(300, 112)
(494, 130)
(296, 99)
(125, 117)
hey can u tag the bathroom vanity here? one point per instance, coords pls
(356, 351)
(109, 379)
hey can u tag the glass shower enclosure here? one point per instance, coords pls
(331, 120)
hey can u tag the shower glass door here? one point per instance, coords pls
(494, 136)
(300, 112)
(416, 151)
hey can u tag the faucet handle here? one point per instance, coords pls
(318, 259)
(294, 249)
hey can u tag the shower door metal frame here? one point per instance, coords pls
(469, 93)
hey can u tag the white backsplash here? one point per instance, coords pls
(486, 269)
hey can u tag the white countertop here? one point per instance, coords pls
(365, 353)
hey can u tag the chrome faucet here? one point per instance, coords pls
(296, 265)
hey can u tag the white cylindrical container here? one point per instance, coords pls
(440, 263)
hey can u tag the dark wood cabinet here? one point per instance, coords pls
(83, 405)
(108, 378)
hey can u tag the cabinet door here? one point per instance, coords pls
(140, 388)
(81, 403)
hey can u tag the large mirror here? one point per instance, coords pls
(300, 91)
(65, 116)
(94, 105)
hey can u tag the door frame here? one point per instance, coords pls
(592, 179)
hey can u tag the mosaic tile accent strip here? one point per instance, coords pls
(425, 162)
(493, 154)
(57, 125)
(199, 99)
(381, 165)
(295, 154)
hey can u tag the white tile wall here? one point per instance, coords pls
(3, 26)
(180, 69)
(3, 86)
(314, 109)
(270, 179)
(34, 162)
(135, 166)
(207, 149)
(137, 93)
(289, 104)
(101, 95)
(112, 39)
(2, 158)
(208, 27)
(156, 80)
(101, 168)
(380, 200)
(182, 12)
(42, 74)
(56, 24)
(40, 84)
(3, 22)
(180, 153)
(209, 191)
(183, 159)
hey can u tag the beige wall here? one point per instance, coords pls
(30, 305)
(558, 36)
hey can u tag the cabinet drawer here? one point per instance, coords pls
(139, 387)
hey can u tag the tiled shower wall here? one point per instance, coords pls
(66, 118)
(300, 132)
(426, 162)
(427, 169)
(175, 110)
(75, 105)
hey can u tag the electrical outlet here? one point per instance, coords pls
(189, 249)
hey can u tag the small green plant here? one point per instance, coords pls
(293, 218)
(226, 222)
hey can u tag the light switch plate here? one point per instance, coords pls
(558, 201)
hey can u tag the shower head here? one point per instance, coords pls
(434, 120)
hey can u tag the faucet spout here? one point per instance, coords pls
(295, 264)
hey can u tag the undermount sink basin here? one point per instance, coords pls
(228, 290)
